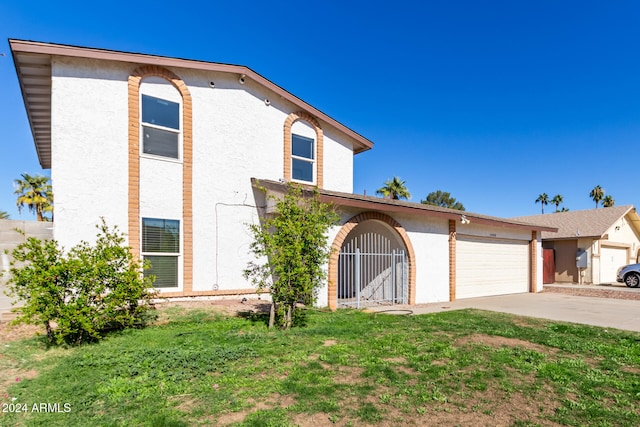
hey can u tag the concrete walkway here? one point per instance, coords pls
(605, 312)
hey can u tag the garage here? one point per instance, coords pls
(611, 258)
(486, 267)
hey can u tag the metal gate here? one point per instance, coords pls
(371, 272)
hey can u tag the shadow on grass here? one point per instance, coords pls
(258, 315)
(261, 314)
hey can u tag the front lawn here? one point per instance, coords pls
(346, 368)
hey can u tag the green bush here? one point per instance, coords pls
(82, 294)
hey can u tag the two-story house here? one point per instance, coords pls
(171, 151)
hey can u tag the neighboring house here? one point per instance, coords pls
(10, 238)
(173, 151)
(590, 245)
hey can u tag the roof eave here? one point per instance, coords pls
(384, 205)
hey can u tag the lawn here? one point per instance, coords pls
(347, 368)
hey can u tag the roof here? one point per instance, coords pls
(400, 206)
(586, 223)
(33, 65)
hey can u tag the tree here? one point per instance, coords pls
(564, 209)
(4, 215)
(394, 189)
(85, 292)
(35, 192)
(608, 201)
(294, 245)
(597, 194)
(557, 199)
(443, 199)
(543, 199)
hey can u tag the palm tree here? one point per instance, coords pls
(543, 199)
(557, 199)
(597, 194)
(4, 215)
(34, 192)
(608, 201)
(394, 189)
(564, 209)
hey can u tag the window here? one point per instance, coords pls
(302, 158)
(161, 247)
(160, 127)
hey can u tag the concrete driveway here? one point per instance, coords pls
(605, 312)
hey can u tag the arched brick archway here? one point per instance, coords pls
(342, 235)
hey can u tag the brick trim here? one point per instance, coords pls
(342, 235)
(288, 123)
(135, 78)
(533, 263)
(452, 260)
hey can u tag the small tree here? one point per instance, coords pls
(597, 194)
(294, 245)
(4, 215)
(395, 189)
(608, 201)
(557, 200)
(444, 199)
(80, 295)
(34, 191)
(543, 199)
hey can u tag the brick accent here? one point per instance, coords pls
(452, 260)
(342, 235)
(288, 123)
(533, 263)
(187, 165)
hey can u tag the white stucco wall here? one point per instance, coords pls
(236, 136)
(430, 240)
(89, 148)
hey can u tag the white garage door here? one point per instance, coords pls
(610, 260)
(486, 267)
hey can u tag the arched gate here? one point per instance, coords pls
(372, 269)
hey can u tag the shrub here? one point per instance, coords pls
(80, 295)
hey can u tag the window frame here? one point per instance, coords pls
(178, 255)
(179, 132)
(313, 161)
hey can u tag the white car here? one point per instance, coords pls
(629, 275)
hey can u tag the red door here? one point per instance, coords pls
(548, 266)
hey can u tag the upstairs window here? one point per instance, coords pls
(160, 127)
(161, 247)
(302, 158)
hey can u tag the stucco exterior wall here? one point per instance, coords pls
(236, 136)
(89, 148)
(430, 240)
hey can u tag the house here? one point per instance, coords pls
(589, 245)
(173, 151)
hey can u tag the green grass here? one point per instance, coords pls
(344, 368)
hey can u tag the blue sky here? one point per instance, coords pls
(495, 102)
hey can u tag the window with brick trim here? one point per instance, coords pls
(160, 127)
(161, 247)
(303, 164)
